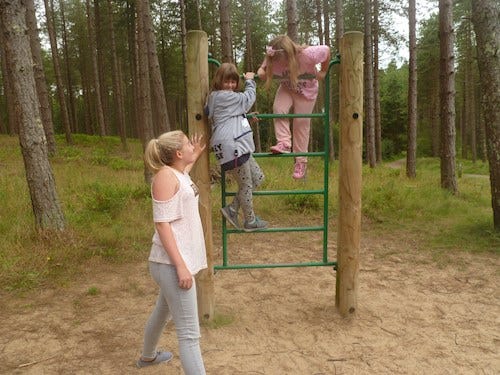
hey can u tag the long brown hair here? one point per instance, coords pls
(226, 71)
(283, 45)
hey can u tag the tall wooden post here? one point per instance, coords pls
(350, 170)
(197, 90)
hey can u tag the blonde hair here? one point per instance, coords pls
(284, 45)
(226, 71)
(161, 151)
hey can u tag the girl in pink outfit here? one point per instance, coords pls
(288, 60)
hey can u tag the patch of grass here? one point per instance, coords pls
(419, 206)
(219, 321)
(93, 291)
(107, 207)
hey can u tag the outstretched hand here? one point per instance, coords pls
(199, 146)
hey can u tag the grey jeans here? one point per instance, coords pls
(180, 305)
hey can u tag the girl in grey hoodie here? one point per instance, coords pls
(232, 141)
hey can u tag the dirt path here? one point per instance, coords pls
(413, 318)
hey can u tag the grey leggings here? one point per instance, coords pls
(248, 176)
(180, 305)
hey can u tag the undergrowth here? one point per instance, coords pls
(107, 208)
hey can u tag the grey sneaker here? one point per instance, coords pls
(160, 358)
(231, 216)
(254, 225)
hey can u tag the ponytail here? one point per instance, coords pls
(160, 151)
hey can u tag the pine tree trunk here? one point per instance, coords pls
(117, 81)
(319, 21)
(479, 119)
(485, 16)
(143, 81)
(376, 85)
(291, 16)
(225, 31)
(411, 151)
(101, 125)
(326, 21)
(369, 98)
(161, 121)
(49, 14)
(462, 122)
(249, 66)
(69, 82)
(41, 184)
(41, 85)
(7, 86)
(335, 78)
(133, 61)
(183, 113)
(447, 96)
(469, 93)
(434, 118)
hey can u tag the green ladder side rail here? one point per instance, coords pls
(325, 154)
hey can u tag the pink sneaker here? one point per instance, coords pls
(280, 148)
(299, 171)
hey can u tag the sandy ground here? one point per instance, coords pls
(413, 318)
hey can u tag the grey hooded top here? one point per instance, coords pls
(232, 135)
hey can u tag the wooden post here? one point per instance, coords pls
(350, 170)
(197, 90)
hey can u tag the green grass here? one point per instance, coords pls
(107, 208)
(444, 221)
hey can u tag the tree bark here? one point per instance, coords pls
(411, 148)
(49, 14)
(41, 184)
(249, 65)
(117, 81)
(69, 81)
(434, 117)
(12, 125)
(447, 96)
(161, 121)
(369, 98)
(143, 82)
(469, 92)
(101, 125)
(41, 85)
(101, 37)
(225, 31)
(376, 85)
(183, 114)
(291, 16)
(319, 21)
(485, 16)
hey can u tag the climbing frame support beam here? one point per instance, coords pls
(350, 172)
(197, 90)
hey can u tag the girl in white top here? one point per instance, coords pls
(178, 249)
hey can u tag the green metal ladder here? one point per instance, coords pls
(324, 191)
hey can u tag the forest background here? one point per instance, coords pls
(117, 69)
(91, 71)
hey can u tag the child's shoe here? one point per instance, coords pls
(280, 148)
(160, 358)
(299, 170)
(231, 216)
(254, 225)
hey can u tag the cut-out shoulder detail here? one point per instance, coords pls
(170, 174)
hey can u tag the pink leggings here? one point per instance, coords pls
(283, 101)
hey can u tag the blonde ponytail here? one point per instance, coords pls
(160, 151)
